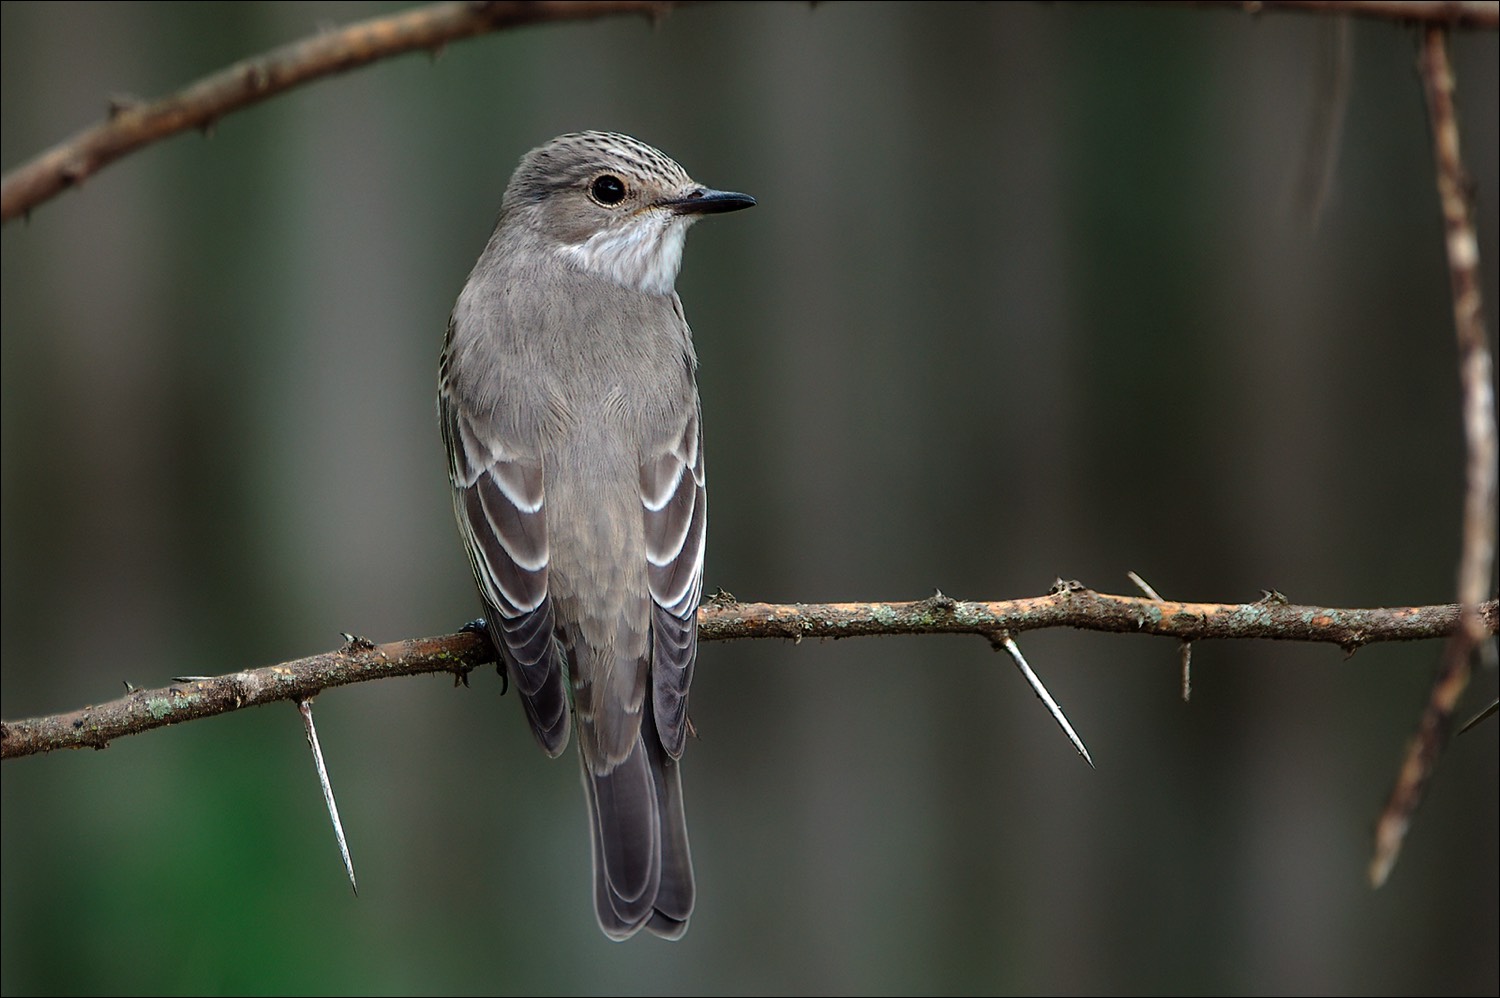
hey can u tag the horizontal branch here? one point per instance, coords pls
(1068, 605)
(189, 699)
(1071, 605)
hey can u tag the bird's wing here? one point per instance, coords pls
(675, 505)
(500, 503)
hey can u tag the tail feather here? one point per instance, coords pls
(643, 872)
(676, 891)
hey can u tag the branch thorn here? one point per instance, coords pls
(1185, 651)
(1004, 641)
(304, 707)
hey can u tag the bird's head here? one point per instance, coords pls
(611, 205)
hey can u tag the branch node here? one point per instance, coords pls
(118, 104)
(254, 77)
(938, 604)
(353, 643)
(1184, 653)
(722, 599)
(74, 172)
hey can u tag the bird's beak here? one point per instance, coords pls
(702, 201)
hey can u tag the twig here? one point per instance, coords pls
(142, 710)
(130, 126)
(1069, 605)
(1477, 378)
(201, 104)
(1184, 650)
(1453, 13)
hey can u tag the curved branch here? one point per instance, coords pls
(1068, 605)
(199, 105)
(191, 698)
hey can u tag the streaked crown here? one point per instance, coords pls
(611, 205)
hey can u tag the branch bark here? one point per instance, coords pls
(1452, 13)
(129, 126)
(722, 619)
(133, 125)
(1476, 364)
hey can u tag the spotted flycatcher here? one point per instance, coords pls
(571, 417)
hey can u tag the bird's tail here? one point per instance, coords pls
(643, 871)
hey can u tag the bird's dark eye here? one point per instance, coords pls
(608, 189)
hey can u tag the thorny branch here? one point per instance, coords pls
(1068, 605)
(131, 125)
(1476, 366)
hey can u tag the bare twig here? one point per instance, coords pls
(201, 104)
(129, 126)
(1184, 650)
(1477, 378)
(1453, 13)
(1068, 605)
(142, 710)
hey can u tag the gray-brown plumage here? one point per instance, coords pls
(570, 413)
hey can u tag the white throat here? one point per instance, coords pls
(644, 255)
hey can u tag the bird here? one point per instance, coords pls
(569, 408)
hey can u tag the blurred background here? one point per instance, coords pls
(1031, 291)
